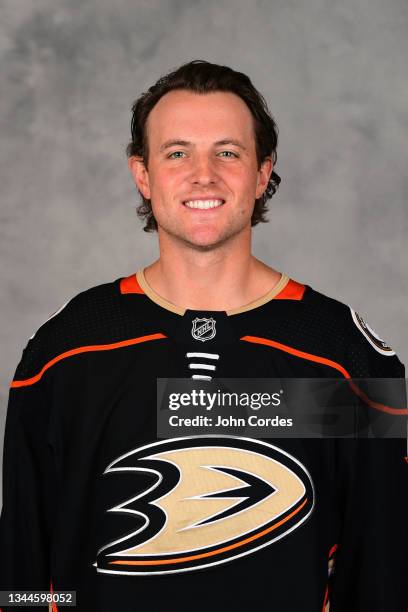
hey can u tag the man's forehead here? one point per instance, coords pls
(208, 99)
(210, 117)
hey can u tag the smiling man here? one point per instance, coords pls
(95, 501)
(202, 172)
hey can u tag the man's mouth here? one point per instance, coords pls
(204, 204)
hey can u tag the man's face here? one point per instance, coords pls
(201, 151)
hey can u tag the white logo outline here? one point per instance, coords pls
(209, 325)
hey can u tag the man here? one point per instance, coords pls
(95, 502)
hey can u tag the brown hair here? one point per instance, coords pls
(203, 77)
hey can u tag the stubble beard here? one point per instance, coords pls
(230, 232)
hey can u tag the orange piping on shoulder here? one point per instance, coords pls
(129, 284)
(292, 291)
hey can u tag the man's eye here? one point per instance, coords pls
(229, 153)
(176, 154)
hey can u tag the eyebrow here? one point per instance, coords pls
(186, 143)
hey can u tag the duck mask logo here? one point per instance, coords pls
(201, 501)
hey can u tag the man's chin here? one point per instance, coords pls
(202, 243)
(209, 243)
(205, 248)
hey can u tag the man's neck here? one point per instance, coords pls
(222, 279)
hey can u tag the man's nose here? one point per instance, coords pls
(203, 171)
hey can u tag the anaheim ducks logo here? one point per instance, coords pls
(203, 501)
(373, 338)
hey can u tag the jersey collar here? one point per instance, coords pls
(158, 299)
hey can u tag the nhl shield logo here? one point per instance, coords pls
(203, 329)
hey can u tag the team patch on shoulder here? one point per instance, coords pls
(372, 337)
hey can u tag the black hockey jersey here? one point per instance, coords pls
(95, 502)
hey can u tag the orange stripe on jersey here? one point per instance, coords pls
(326, 606)
(53, 606)
(297, 353)
(333, 550)
(292, 291)
(331, 364)
(218, 550)
(129, 284)
(377, 405)
(85, 349)
(326, 600)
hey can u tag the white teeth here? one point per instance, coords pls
(203, 204)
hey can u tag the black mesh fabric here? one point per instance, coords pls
(99, 315)
(317, 324)
(324, 327)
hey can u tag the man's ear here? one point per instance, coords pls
(264, 174)
(140, 175)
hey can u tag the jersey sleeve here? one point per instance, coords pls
(371, 561)
(28, 478)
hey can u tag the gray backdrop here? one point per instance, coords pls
(334, 75)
